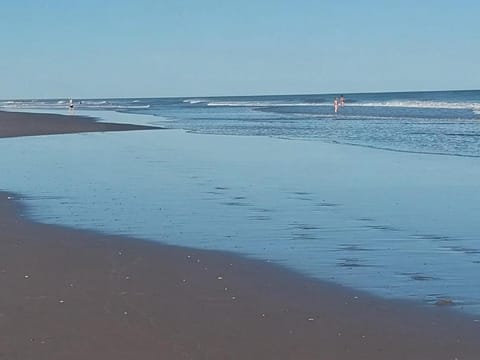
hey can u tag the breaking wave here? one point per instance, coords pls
(395, 104)
(62, 104)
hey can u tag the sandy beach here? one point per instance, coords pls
(71, 294)
(13, 124)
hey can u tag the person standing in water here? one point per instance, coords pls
(342, 101)
(335, 105)
(70, 104)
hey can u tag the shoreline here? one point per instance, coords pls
(71, 294)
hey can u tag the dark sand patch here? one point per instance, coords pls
(13, 124)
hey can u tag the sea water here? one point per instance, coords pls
(395, 215)
(444, 122)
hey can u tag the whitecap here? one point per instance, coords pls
(194, 101)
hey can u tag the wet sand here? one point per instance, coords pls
(71, 294)
(13, 124)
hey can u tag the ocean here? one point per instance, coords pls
(382, 197)
(443, 122)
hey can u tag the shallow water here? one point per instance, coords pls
(401, 225)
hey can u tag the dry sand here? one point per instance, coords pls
(71, 294)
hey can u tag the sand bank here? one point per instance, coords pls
(13, 124)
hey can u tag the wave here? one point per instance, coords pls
(111, 107)
(93, 102)
(423, 104)
(264, 104)
(195, 101)
(61, 104)
(258, 103)
(474, 106)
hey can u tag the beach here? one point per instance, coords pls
(76, 294)
(14, 124)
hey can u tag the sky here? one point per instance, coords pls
(162, 48)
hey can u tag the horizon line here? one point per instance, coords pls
(251, 95)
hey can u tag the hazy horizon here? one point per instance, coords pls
(247, 95)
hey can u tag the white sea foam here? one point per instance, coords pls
(263, 104)
(392, 103)
(136, 107)
(81, 104)
(253, 103)
(194, 101)
(111, 106)
(422, 104)
(94, 102)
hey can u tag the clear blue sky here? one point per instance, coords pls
(134, 48)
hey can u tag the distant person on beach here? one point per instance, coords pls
(342, 101)
(335, 105)
(70, 104)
